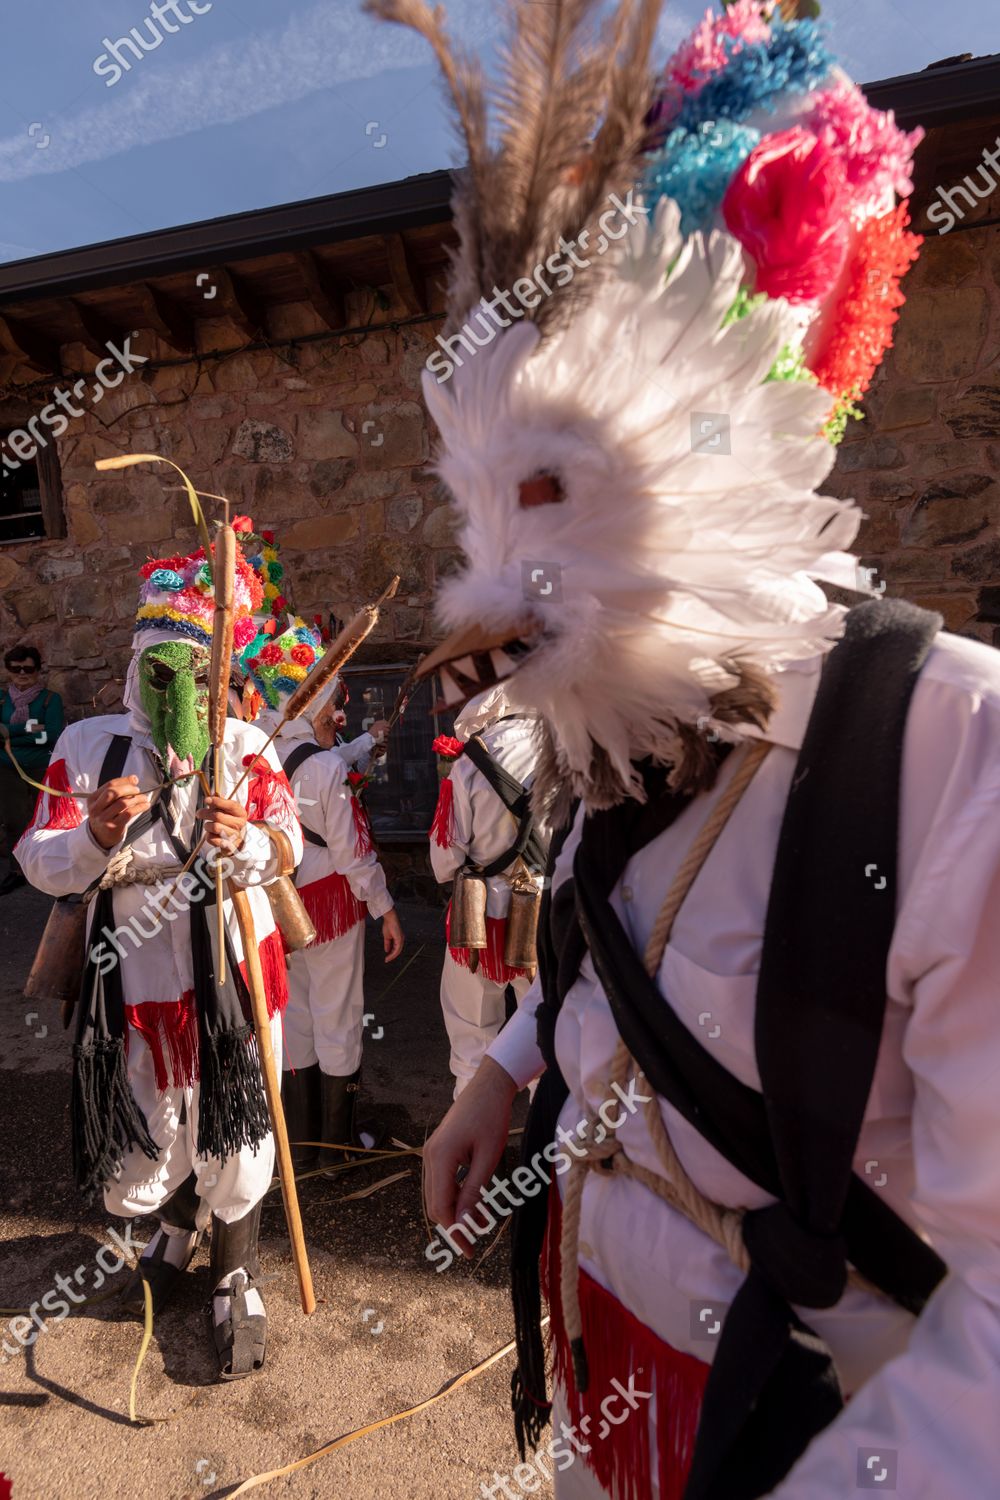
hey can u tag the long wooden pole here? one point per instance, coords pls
(283, 1156)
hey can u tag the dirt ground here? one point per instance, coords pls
(65, 1432)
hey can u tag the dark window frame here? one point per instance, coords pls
(45, 462)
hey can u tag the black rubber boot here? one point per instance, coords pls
(339, 1098)
(241, 1338)
(180, 1211)
(300, 1099)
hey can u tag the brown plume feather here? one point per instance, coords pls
(569, 108)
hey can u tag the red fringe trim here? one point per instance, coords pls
(332, 906)
(441, 828)
(491, 957)
(362, 829)
(170, 1029)
(269, 797)
(619, 1346)
(64, 812)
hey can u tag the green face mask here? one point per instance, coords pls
(173, 686)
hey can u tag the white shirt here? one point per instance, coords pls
(482, 828)
(926, 1391)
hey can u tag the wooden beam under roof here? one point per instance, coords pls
(233, 298)
(325, 294)
(168, 318)
(401, 270)
(32, 348)
(95, 330)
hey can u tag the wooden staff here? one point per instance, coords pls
(283, 1156)
(224, 576)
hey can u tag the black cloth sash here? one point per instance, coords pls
(820, 1008)
(303, 752)
(106, 1121)
(516, 798)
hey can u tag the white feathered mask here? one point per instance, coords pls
(635, 498)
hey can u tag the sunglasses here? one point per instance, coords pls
(26, 671)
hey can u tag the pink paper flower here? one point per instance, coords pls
(876, 154)
(787, 206)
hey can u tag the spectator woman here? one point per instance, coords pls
(32, 718)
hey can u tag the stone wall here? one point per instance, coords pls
(326, 443)
(924, 464)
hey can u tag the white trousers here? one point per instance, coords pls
(227, 1190)
(324, 1021)
(474, 1011)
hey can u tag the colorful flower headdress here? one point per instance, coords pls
(636, 493)
(758, 131)
(177, 596)
(263, 554)
(278, 663)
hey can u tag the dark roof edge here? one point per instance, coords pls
(384, 209)
(937, 96)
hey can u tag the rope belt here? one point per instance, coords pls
(122, 870)
(674, 1187)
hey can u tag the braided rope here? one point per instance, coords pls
(122, 870)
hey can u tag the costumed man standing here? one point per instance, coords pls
(483, 822)
(168, 1112)
(340, 880)
(762, 1165)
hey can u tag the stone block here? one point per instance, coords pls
(402, 428)
(975, 413)
(979, 564)
(263, 443)
(53, 568)
(403, 513)
(320, 531)
(88, 597)
(952, 511)
(322, 434)
(439, 527)
(911, 566)
(328, 475)
(34, 605)
(957, 609)
(941, 334)
(135, 528)
(870, 453)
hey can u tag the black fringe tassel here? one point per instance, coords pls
(106, 1121)
(232, 1107)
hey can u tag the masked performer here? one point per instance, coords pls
(767, 1014)
(168, 1111)
(484, 823)
(339, 880)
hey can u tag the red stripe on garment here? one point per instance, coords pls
(441, 828)
(618, 1347)
(170, 1028)
(332, 906)
(64, 812)
(491, 962)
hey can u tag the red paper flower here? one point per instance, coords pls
(303, 655)
(270, 655)
(357, 778)
(268, 537)
(448, 747)
(278, 604)
(253, 663)
(787, 206)
(242, 523)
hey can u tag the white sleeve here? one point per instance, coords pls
(445, 861)
(363, 871)
(57, 851)
(353, 752)
(928, 1417)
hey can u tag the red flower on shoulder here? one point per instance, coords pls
(448, 747)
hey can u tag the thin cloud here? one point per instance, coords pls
(154, 102)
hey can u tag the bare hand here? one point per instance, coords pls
(472, 1134)
(113, 807)
(392, 935)
(225, 823)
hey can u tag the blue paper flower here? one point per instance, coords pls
(695, 167)
(166, 578)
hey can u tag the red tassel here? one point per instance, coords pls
(171, 1028)
(619, 1346)
(269, 797)
(64, 812)
(441, 828)
(332, 906)
(272, 963)
(362, 829)
(491, 957)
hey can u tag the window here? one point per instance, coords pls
(31, 503)
(402, 797)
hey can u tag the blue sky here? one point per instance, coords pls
(246, 103)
